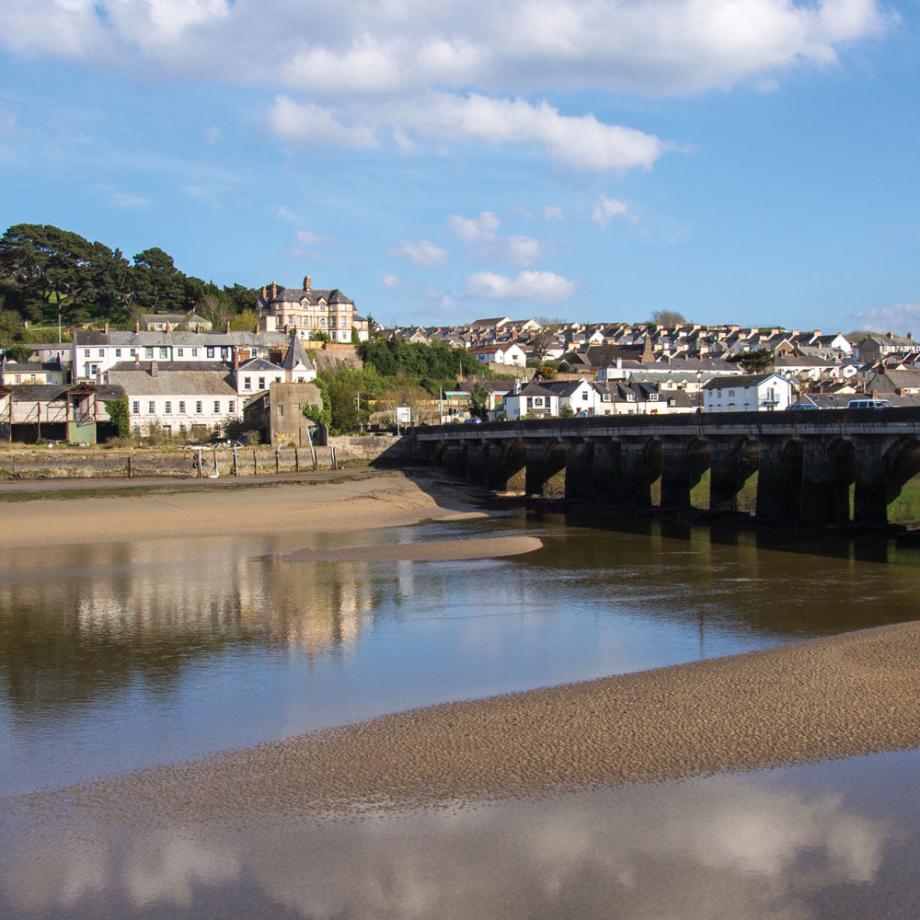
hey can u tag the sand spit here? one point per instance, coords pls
(432, 550)
(367, 501)
(830, 698)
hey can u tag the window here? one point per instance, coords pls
(152, 407)
(85, 352)
(277, 380)
(247, 382)
(180, 352)
(217, 405)
(194, 352)
(117, 352)
(281, 410)
(101, 352)
(148, 352)
(136, 407)
(181, 428)
(231, 406)
(181, 407)
(199, 407)
(261, 383)
(606, 397)
(167, 430)
(167, 408)
(536, 401)
(164, 352)
(585, 395)
(731, 394)
(210, 351)
(133, 352)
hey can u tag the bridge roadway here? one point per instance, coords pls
(806, 461)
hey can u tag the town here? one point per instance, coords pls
(174, 376)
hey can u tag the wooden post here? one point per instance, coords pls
(236, 468)
(129, 466)
(296, 461)
(335, 465)
(277, 461)
(255, 463)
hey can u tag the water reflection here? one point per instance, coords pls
(786, 846)
(116, 656)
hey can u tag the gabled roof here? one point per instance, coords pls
(740, 383)
(295, 356)
(259, 364)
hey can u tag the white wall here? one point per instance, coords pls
(183, 410)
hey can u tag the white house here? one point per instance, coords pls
(532, 401)
(511, 354)
(577, 395)
(259, 374)
(179, 397)
(748, 393)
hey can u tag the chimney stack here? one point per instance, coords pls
(264, 293)
(307, 284)
(274, 290)
(153, 368)
(236, 358)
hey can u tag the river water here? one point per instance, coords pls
(117, 657)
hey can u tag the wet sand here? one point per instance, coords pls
(363, 502)
(830, 698)
(430, 550)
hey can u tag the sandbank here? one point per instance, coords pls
(362, 502)
(857, 693)
(430, 550)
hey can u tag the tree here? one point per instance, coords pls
(540, 341)
(158, 285)
(479, 401)
(668, 318)
(117, 410)
(50, 265)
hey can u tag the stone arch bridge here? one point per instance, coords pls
(806, 461)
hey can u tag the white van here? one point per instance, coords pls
(869, 404)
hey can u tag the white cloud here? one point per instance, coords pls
(552, 212)
(422, 254)
(609, 208)
(390, 281)
(340, 71)
(285, 213)
(673, 46)
(310, 125)
(481, 232)
(476, 230)
(309, 238)
(533, 286)
(899, 318)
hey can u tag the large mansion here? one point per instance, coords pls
(308, 310)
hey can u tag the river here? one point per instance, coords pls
(116, 657)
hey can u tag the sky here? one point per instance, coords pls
(750, 161)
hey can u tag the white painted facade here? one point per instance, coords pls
(763, 393)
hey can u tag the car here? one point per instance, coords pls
(801, 406)
(869, 404)
(472, 420)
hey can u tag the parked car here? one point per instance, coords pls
(801, 405)
(869, 404)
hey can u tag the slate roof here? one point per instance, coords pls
(55, 392)
(140, 382)
(296, 355)
(739, 383)
(129, 339)
(313, 296)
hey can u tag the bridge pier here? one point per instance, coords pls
(579, 462)
(825, 482)
(779, 479)
(477, 462)
(675, 475)
(871, 493)
(605, 470)
(455, 459)
(731, 465)
(638, 470)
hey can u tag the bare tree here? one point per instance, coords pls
(668, 318)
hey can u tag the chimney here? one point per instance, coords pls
(153, 368)
(307, 284)
(274, 290)
(910, 335)
(236, 358)
(264, 293)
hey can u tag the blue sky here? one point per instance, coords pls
(738, 160)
